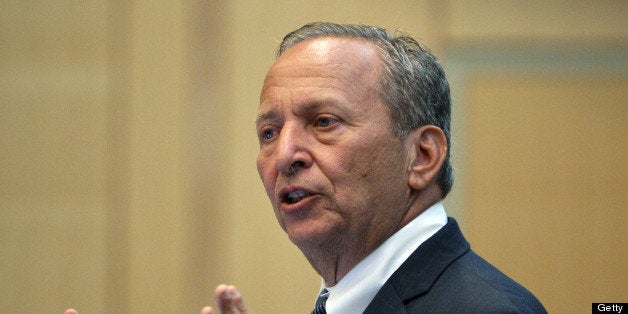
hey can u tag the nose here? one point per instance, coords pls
(292, 150)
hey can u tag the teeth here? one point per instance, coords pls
(296, 196)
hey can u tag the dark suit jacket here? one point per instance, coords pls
(445, 276)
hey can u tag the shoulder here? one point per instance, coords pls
(472, 285)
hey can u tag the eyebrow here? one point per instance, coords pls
(265, 116)
(302, 110)
(311, 107)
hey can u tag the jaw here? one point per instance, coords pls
(328, 245)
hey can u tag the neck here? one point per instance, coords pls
(334, 258)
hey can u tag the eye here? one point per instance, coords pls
(267, 134)
(324, 121)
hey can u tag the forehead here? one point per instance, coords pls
(331, 50)
(347, 65)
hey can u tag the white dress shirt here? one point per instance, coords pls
(354, 292)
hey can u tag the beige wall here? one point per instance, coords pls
(128, 181)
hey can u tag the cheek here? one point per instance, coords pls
(380, 167)
(260, 168)
(266, 174)
(353, 177)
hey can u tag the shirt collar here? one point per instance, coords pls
(354, 292)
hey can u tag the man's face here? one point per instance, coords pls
(330, 164)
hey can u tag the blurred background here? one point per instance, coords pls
(127, 163)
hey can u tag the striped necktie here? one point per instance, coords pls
(319, 307)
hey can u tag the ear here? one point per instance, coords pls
(428, 149)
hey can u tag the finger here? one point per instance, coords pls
(223, 299)
(229, 300)
(238, 301)
(205, 310)
(70, 311)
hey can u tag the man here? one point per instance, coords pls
(354, 132)
(354, 135)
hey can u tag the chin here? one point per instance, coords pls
(310, 234)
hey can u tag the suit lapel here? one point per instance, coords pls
(419, 272)
(388, 302)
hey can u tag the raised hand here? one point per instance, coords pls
(228, 300)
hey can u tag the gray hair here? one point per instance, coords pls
(413, 84)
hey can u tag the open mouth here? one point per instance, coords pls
(295, 196)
